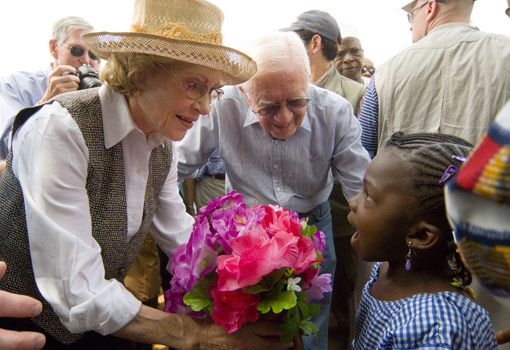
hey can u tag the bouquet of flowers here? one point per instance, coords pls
(241, 263)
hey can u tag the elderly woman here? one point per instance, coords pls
(92, 171)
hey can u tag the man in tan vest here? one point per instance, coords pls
(321, 35)
(453, 79)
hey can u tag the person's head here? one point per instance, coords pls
(425, 15)
(170, 64)
(319, 31)
(66, 45)
(349, 58)
(368, 68)
(277, 92)
(402, 201)
(507, 11)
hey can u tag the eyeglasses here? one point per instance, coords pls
(411, 13)
(78, 51)
(371, 70)
(196, 90)
(270, 110)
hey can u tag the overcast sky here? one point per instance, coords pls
(383, 29)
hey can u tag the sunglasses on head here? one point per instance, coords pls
(196, 90)
(371, 70)
(271, 110)
(78, 51)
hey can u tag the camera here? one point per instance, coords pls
(89, 78)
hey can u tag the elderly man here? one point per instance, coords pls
(26, 89)
(349, 59)
(281, 139)
(454, 78)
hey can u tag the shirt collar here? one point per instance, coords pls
(118, 121)
(251, 118)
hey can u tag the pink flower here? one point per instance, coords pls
(233, 309)
(280, 220)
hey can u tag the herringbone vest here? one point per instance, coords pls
(107, 199)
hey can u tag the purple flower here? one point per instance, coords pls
(319, 285)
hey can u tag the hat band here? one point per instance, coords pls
(179, 31)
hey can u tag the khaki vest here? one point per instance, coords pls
(453, 81)
(106, 191)
(348, 88)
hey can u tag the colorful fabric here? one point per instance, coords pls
(445, 320)
(478, 206)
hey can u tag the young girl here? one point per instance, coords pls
(417, 298)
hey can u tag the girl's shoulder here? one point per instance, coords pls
(446, 318)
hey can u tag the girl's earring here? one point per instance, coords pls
(408, 257)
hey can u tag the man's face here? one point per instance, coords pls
(419, 24)
(64, 55)
(279, 88)
(349, 57)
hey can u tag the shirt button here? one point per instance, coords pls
(133, 216)
(139, 171)
(276, 166)
(278, 188)
(275, 142)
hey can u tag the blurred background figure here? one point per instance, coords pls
(349, 59)
(25, 89)
(368, 68)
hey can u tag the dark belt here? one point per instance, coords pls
(216, 176)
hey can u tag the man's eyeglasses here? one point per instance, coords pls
(78, 51)
(271, 110)
(411, 13)
(196, 90)
(371, 70)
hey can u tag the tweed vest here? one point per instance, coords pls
(453, 81)
(105, 187)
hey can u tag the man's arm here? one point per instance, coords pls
(369, 119)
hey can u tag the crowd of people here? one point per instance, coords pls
(108, 153)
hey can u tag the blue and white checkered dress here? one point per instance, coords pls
(425, 321)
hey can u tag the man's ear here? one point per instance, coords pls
(423, 235)
(316, 43)
(431, 10)
(245, 95)
(53, 48)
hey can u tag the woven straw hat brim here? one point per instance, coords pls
(235, 66)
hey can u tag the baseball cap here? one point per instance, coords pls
(318, 22)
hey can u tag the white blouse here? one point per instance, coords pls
(50, 161)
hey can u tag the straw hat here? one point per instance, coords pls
(183, 30)
(478, 207)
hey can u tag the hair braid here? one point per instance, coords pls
(429, 156)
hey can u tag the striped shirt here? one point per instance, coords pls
(426, 321)
(369, 119)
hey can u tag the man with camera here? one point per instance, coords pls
(74, 67)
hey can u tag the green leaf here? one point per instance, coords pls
(278, 302)
(267, 283)
(199, 298)
(308, 231)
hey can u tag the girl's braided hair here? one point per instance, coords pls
(429, 156)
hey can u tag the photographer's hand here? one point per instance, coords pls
(13, 305)
(57, 83)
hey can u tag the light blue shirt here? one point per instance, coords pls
(17, 91)
(295, 173)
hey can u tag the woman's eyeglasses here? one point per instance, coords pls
(371, 70)
(78, 51)
(271, 110)
(196, 90)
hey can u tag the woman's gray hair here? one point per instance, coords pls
(278, 51)
(63, 26)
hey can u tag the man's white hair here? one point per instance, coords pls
(63, 26)
(276, 52)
